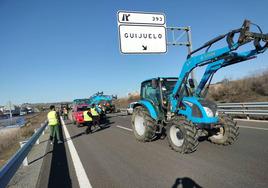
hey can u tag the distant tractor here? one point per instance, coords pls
(106, 101)
(177, 107)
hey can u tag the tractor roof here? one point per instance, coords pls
(168, 78)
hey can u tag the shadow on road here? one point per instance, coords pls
(185, 182)
(37, 159)
(103, 127)
(59, 172)
(74, 136)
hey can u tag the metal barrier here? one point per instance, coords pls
(247, 109)
(9, 169)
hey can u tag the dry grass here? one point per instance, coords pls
(10, 138)
(123, 102)
(250, 89)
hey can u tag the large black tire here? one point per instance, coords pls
(226, 135)
(144, 127)
(182, 135)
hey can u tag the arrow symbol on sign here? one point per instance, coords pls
(144, 47)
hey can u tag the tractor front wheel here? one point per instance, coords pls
(143, 125)
(227, 134)
(182, 135)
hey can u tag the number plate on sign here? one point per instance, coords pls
(141, 18)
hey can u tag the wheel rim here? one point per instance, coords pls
(176, 136)
(220, 134)
(139, 125)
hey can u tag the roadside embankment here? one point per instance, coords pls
(10, 137)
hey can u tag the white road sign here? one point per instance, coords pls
(141, 18)
(142, 39)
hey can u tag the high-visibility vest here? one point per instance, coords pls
(52, 118)
(94, 112)
(86, 116)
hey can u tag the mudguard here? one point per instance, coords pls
(149, 106)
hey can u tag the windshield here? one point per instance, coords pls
(168, 86)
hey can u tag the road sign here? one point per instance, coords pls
(141, 32)
(141, 18)
(142, 39)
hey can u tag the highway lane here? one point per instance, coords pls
(113, 158)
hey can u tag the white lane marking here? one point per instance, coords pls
(258, 128)
(79, 169)
(121, 127)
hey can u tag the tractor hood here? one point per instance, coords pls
(199, 110)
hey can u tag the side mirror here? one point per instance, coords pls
(154, 83)
(191, 83)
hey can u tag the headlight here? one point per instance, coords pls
(216, 113)
(208, 112)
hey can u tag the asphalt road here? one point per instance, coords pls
(113, 158)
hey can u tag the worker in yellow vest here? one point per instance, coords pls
(53, 123)
(95, 115)
(88, 120)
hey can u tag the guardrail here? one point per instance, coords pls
(10, 168)
(248, 109)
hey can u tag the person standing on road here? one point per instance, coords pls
(95, 115)
(53, 122)
(88, 120)
(65, 113)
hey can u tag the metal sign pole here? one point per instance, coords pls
(177, 41)
(190, 47)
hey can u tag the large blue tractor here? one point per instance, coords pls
(177, 107)
(104, 100)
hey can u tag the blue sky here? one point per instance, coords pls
(57, 50)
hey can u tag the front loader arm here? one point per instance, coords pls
(217, 59)
(215, 66)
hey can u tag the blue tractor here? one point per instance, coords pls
(103, 104)
(104, 100)
(177, 107)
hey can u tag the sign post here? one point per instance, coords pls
(142, 33)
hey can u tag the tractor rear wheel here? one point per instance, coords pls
(182, 135)
(227, 134)
(144, 127)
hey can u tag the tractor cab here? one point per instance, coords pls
(157, 91)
